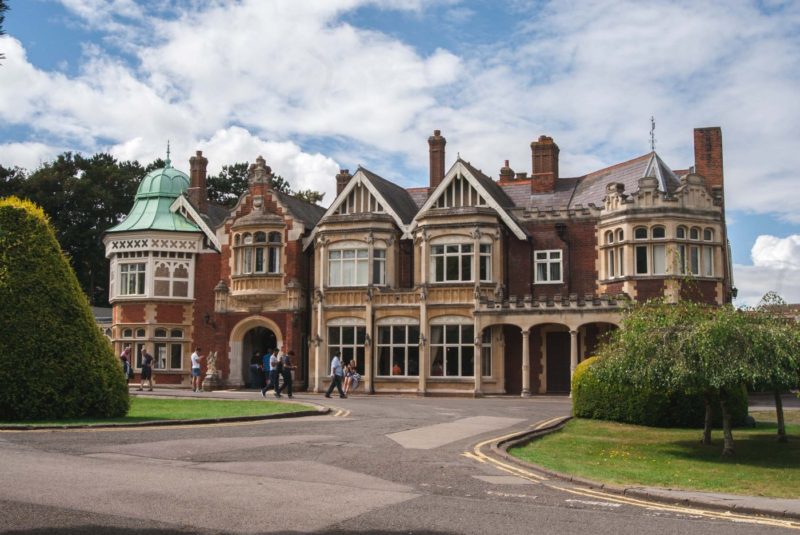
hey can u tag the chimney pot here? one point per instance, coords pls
(198, 192)
(342, 179)
(544, 157)
(708, 156)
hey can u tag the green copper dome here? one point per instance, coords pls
(156, 193)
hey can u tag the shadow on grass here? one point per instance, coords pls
(759, 450)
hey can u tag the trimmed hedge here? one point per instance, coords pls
(596, 396)
(54, 361)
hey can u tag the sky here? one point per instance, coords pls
(319, 85)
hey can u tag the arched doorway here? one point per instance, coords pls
(256, 343)
(252, 334)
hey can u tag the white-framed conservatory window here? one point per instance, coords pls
(348, 267)
(451, 262)
(398, 351)
(452, 350)
(547, 266)
(132, 278)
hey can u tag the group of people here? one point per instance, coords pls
(343, 374)
(278, 365)
(147, 368)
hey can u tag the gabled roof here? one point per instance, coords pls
(398, 199)
(494, 196)
(182, 206)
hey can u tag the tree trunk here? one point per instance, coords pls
(728, 449)
(706, 440)
(781, 423)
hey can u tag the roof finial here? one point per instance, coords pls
(652, 134)
(167, 162)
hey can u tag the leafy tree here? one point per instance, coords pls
(309, 195)
(83, 198)
(54, 361)
(226, 187)
(11, 180)
(3, 9)
(777, 353)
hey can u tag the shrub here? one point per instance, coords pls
(597, 395)
(54, 361)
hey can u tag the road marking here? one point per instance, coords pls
(589, 502)
(618, 499)
(510, 495)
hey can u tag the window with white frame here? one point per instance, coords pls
(349, 341)
(170, 279)
(258, 253)
(168, 349)
(132, 278)
(379, 267)
(398, 350)
(694, 258)
(348, 267)
(452, 350)
(485, 261)
(451, 262)
(547, 266)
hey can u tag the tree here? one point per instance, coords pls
(54, 361)
(11, 180)
(84, 197)
(226, 187)
(777, 352)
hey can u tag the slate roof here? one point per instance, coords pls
(305, 211)
(489, 185)
(418, 195)
(398, 198)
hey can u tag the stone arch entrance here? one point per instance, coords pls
(253, 334)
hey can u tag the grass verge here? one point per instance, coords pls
(145, 409)
(674, 458)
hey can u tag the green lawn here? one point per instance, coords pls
(674, 458)
(147, 409)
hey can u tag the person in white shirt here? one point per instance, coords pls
(197, 380)
(336, 377)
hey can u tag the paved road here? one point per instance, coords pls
(375, 465)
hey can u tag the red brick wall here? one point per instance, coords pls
(708, 155)
(170, 313)
(613, 288)
(128, 313)
(206, 277)
(578, 258)
(649, 289)
(519, 273)
(700, 291)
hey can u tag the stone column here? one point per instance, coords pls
(477, 360)
(573, 355)
(526, 364)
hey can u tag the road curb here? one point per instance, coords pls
(500, 449)
(169, 423)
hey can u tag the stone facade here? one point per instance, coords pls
(470, 286)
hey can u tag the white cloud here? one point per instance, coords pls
(27, 155)
(588, 72)
(779, 253)
(776, 267)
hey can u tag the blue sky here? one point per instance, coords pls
(319, 85)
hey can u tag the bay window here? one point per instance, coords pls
(452, 350)
(398, 350)
(348, 341)
(132, 278)
(452, 262)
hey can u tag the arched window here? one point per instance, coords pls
(708, 234)
(127, 333)
(659, 233)
(681, 233)
(694, 233)
(139, 333)
(609, 237)
(620, 235)
(640, 233)
(176, 333)
(161, 333)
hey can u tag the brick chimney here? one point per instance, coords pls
(708, 156)
(544, 155)
(198, 192)
(342, 179)
(506, 173)
(436, 144)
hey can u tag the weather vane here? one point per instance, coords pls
(652, 134)
(168, 149)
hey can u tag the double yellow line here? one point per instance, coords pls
(478, 455)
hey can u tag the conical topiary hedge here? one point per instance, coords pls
(54, 361)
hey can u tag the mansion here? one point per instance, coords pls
(472, 285)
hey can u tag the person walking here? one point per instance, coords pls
(288, 367)
(147, 371)
(197, 381)
(336, 376)
(125, 357)
(273, 363)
